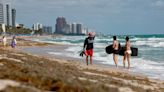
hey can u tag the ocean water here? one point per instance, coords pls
(150, 60)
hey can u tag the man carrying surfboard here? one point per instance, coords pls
(88, 46)
(127, 52)
(115, 50)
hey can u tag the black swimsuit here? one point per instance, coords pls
(115, 51)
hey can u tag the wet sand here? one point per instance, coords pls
(45, 51)
(25, 72)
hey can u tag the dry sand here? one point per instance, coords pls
(24, 72)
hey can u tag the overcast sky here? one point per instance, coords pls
(106, 16)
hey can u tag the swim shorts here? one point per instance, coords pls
(89, 52)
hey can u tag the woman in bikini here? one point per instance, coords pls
(127, 52)
(115, 50)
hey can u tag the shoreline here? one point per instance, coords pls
(56, 74)
(80, 60)
(42, 51)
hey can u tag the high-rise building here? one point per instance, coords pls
(1, 14)
(8, 15)
(85, 30)
(13, 17)
(67, 29)
(73, 26)
(70, 28)
(79, 28)
(47, 29)
(37, 26)
(61, 25)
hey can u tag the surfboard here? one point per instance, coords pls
(109, 50)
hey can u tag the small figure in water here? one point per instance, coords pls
(13, 42)
(4, 41)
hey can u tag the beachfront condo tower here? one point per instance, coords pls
(79, 28)
(13, 11)
(1, 14)
(74, 28)
(8, 15)
(60, 25)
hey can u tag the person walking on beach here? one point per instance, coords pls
(13, 42)
(88, 46)
(127, 52)
(4, 41)
(115, 50)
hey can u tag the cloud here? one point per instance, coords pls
(6, 1)
(69, 3)
(81, 8)
(99, 6)
(159, 3)
(85, 6)
(100, 12)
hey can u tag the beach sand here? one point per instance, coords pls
(24, 72)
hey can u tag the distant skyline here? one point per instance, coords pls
(105, 16)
